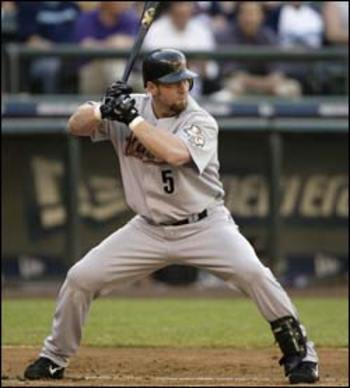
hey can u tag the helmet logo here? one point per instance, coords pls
(178, 65)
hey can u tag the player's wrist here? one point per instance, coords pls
(135, 122)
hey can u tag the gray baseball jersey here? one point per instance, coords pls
(160, 192)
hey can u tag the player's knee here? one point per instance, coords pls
(81, 277)
(75, 276)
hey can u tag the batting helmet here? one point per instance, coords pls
(166, 66)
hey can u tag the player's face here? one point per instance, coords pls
(170, 98)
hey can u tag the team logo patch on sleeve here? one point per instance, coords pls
(195, 136)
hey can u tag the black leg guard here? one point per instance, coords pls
(291, 340)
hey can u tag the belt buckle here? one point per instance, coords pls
(193, 218)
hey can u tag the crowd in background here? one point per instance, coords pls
(201, 25)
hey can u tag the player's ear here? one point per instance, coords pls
(151, 87)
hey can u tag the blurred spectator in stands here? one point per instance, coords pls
(301, 26)
(218, 14)
(333, 75)
(113, 24)
(252, 77)
(42, 24)
(178, 28)
(336, 19)
(7, 6)
(8, 15)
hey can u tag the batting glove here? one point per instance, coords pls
(118, 88)
(120, 109)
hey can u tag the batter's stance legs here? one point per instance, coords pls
(139, 249)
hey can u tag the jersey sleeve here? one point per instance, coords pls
(101, 133)
(200, 135)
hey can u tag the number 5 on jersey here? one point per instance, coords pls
(168, 181)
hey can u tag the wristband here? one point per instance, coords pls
(97, 111)
(134, 123)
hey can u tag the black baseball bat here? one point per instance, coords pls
(147, 18)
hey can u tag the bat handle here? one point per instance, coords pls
(126, 74)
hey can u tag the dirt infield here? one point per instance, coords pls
(173, 367)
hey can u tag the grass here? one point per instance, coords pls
(175, 322)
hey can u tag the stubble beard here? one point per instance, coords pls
(171, 110)
(178, 107)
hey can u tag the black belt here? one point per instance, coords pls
(190, 220)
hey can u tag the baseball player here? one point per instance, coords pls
(167, 150)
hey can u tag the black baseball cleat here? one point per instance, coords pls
(305, 372)
(43, 368)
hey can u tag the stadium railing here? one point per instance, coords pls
(17, 52)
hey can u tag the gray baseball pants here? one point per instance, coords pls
(138, 249)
